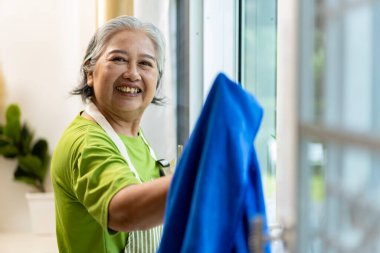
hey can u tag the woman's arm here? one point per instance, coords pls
(139, 207)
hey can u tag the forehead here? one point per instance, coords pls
(132, 39)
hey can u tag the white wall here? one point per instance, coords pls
(42, 43)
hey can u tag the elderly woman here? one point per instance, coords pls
(108, 190)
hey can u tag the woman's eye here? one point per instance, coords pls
(146, 63)
(118, 59)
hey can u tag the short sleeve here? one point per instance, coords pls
(100, 172)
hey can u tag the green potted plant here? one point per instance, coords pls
(33, 160)
(16, 142)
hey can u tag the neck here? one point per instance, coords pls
(129, 128)
(125, 124)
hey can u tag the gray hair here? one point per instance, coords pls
(100, 39)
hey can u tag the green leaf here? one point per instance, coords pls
(4, 141)
(22, 176)
(7, 148)
(31, 164)
(12, 126)
(20, 173)
(25, 139)
(13, 112)
(9, 151)
(40, 149)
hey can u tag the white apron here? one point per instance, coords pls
(146, 241)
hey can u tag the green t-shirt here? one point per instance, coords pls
(86, 171)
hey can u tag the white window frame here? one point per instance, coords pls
(287, 118)
(211, 48)
(207, 58)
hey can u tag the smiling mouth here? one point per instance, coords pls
(128, 90)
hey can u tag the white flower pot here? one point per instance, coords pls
(42, 212)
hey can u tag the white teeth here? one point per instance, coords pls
(131, 90)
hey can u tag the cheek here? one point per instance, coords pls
(105, 76)
(102, 84)
(156, 79)
(152, 79)
(154, 87)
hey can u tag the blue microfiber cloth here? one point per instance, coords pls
(216, 189)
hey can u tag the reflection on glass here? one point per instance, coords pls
(339, 182)
(343, 212)
(258, 75)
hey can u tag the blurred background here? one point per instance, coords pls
(313, 66)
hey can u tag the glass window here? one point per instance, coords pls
(339, 121)
(258, 75)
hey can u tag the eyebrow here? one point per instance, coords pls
(118, 51)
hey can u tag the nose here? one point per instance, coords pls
(131, 73)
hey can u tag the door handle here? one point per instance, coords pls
(276, 233)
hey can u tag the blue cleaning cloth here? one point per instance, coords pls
(216, 189)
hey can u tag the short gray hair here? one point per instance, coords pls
(100, 39)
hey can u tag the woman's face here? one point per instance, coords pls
(125, 76)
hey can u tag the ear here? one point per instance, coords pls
(90, 78)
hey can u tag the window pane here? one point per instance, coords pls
(338, 67)
(339, 83)
(342, 213)
(258, 75)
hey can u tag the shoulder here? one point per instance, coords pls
(82, 133)
(82, 127)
